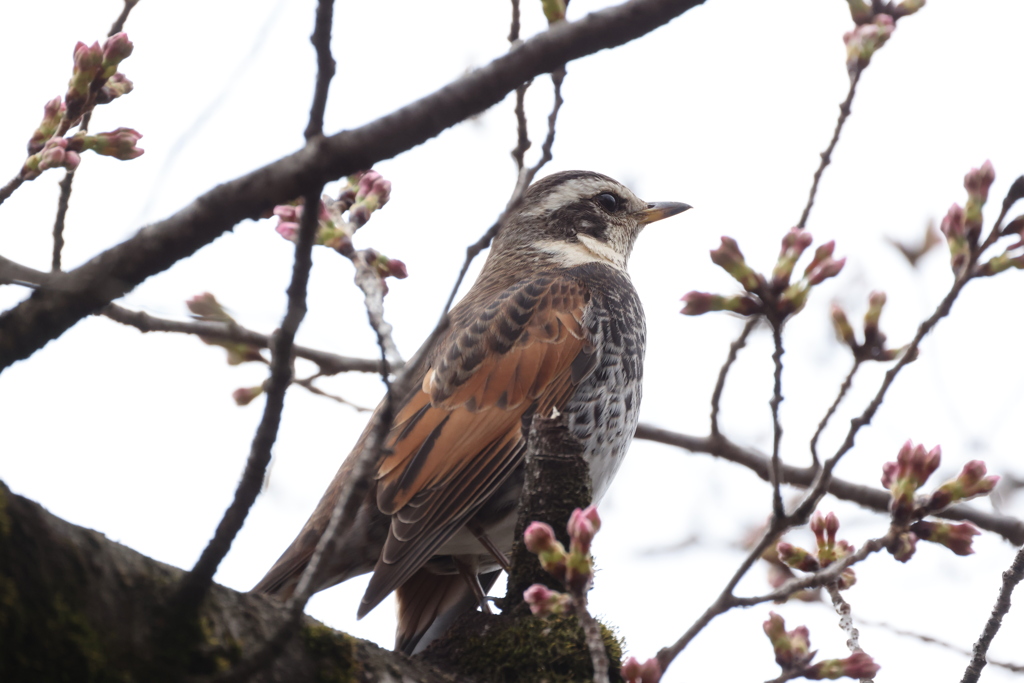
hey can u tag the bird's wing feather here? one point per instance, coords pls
(460, 436)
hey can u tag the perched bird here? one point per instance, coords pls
(552, 322)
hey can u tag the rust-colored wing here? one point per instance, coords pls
(460, 436)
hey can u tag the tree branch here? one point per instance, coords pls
(877, 499)
(47, 313)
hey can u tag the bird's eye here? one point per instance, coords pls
(608, 201)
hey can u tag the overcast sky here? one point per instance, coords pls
(726, 108)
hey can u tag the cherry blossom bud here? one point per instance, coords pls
(116, 50)
(53, 114)
(905, 8)
(904, 546)
(792, 648)
(793, 245)
(544, 601)
(863, 41)
(582, 526)
(119, 144)
(699, 303)
(88, 61)
(390, 267)
(554, 10)
(912, 469)
(842, 327)
(116, 86)
(539, 537)
(797, 558)
(956, 537)
(245, 395)
(633, 671)
(847, 579)
(729, 258)
(859, 666)
(206, 307)
(876, 302)
(860, 11)
(52, 155)
(972, 481)
(826, 269)
(978, 181)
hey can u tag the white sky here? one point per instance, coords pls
(726, 109)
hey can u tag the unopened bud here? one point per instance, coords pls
(729, 258)
(544, 601)
(842, 327)
(858, 666)
(206, 307)
(633, 671)
(245, 395)
(956, 537)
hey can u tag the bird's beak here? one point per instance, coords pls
(655, 211)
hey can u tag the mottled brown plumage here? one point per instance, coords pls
(553, 322)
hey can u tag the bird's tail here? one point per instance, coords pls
(429, 603)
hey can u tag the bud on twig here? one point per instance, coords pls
(859, 666)
(633, 671)
(956, 537)
(729, 258)
(544, 601)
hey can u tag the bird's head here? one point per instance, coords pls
(576, 217)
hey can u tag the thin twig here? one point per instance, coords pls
(327, 363)
(308, 385)
(12, 185)
(595, 643)
(845, 617)
(778, 507)
(734, 349)
(826, 156)
(945, 644)
(1011, 577)
(845, 387)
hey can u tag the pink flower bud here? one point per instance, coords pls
(956, 537)
(826, 269)
(729, 258)
(842, 327)
(116, 50)
(792, 648)
(859, 665)
(289, 231)
(633, 671)
(978, 181)
(539, 537)
(116, 86)
(797, 558)
(582, 526)
(971, 482)
(206, 307)
(245, 395)
(53, 113)
(119, 144)
(904, 546)
(88, 57)
(793, 245)
(52, 155)
(544, 601)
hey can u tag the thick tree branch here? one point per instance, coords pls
(49, 313)
(79, 606)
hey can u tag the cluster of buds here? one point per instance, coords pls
(962, 225)
(829, 550)
(575, 567)
(866, 39)
(58, 152)
(364, 193)
(94, 80)
(913, 466)
(873, 347)
(633, 671)
(205, 307)
(776, 297)
(793, 653)
(95, 67)
(875, 23)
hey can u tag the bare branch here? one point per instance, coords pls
(47, 314)
(778, 508)
(327, 363)
(826, 156)
(1011, 577)
(845, 387)
(734, 350)
(873, 498)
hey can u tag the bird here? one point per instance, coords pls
(552, 323)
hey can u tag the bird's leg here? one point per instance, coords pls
(489, 546)
(467, 570)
